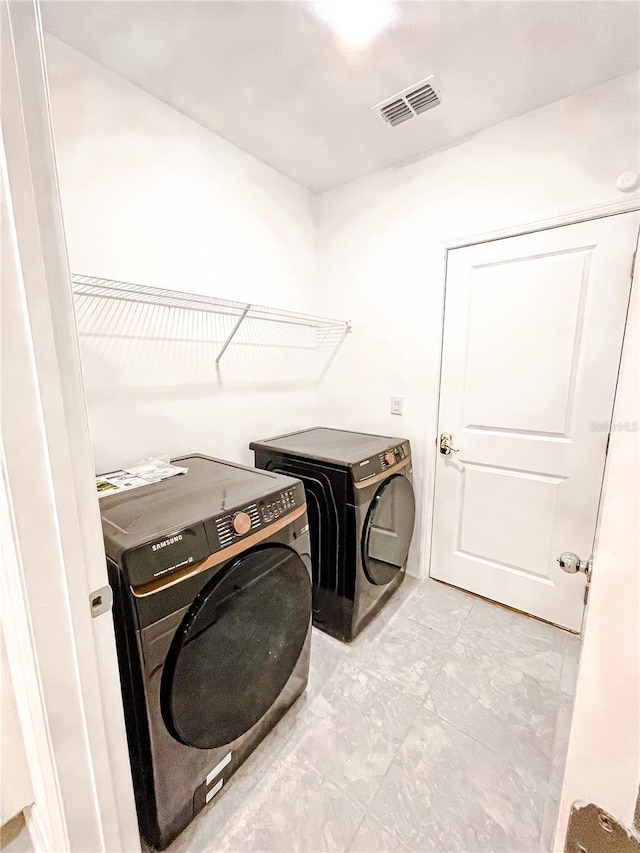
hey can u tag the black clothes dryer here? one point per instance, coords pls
(361, 509)
(211, 576)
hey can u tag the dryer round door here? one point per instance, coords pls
(388, 530)
(236, 647)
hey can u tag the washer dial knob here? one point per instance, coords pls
(389, 457)
(241, 523)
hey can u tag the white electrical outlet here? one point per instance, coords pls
(396, 405)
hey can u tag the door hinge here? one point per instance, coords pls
(587, 586)
(592, 830)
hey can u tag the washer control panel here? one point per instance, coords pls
(237, 524)
(278, 505)
(381, 462)
(244, 520)
(392, 456)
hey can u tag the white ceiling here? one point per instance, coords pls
(271, 78)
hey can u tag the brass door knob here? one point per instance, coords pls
(446, 444)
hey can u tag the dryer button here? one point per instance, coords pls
(241, 523)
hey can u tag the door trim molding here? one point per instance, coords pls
(633, 277)
(570, 217)
(44, 818)
(74, 719)
(430, 442)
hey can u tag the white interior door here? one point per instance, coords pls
(532, 340)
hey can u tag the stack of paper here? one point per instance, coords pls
(149, 470)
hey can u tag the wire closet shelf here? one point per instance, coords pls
(222, 323)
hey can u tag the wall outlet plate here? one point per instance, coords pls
(396, 405)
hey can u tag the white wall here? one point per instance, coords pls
(381, 259)
(603, 759)
(151, 197)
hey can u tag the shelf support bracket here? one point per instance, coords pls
(232, 333)
(334, 353)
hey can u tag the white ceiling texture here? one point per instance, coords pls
(275, 79)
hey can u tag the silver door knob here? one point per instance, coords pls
(446, 444)
(571, 563)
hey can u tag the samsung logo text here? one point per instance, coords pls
(170, 541)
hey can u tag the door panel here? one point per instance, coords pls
(532, 341)
(493, 525)
(524, 314)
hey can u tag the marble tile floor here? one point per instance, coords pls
(443, 727)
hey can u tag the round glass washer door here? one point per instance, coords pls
(388, 530)
(236, 647)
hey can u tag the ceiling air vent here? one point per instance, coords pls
(410, 102)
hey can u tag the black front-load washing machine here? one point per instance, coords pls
(361, 509)
(211, 577)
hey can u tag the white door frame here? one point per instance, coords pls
(430, 445)
(68, 686)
